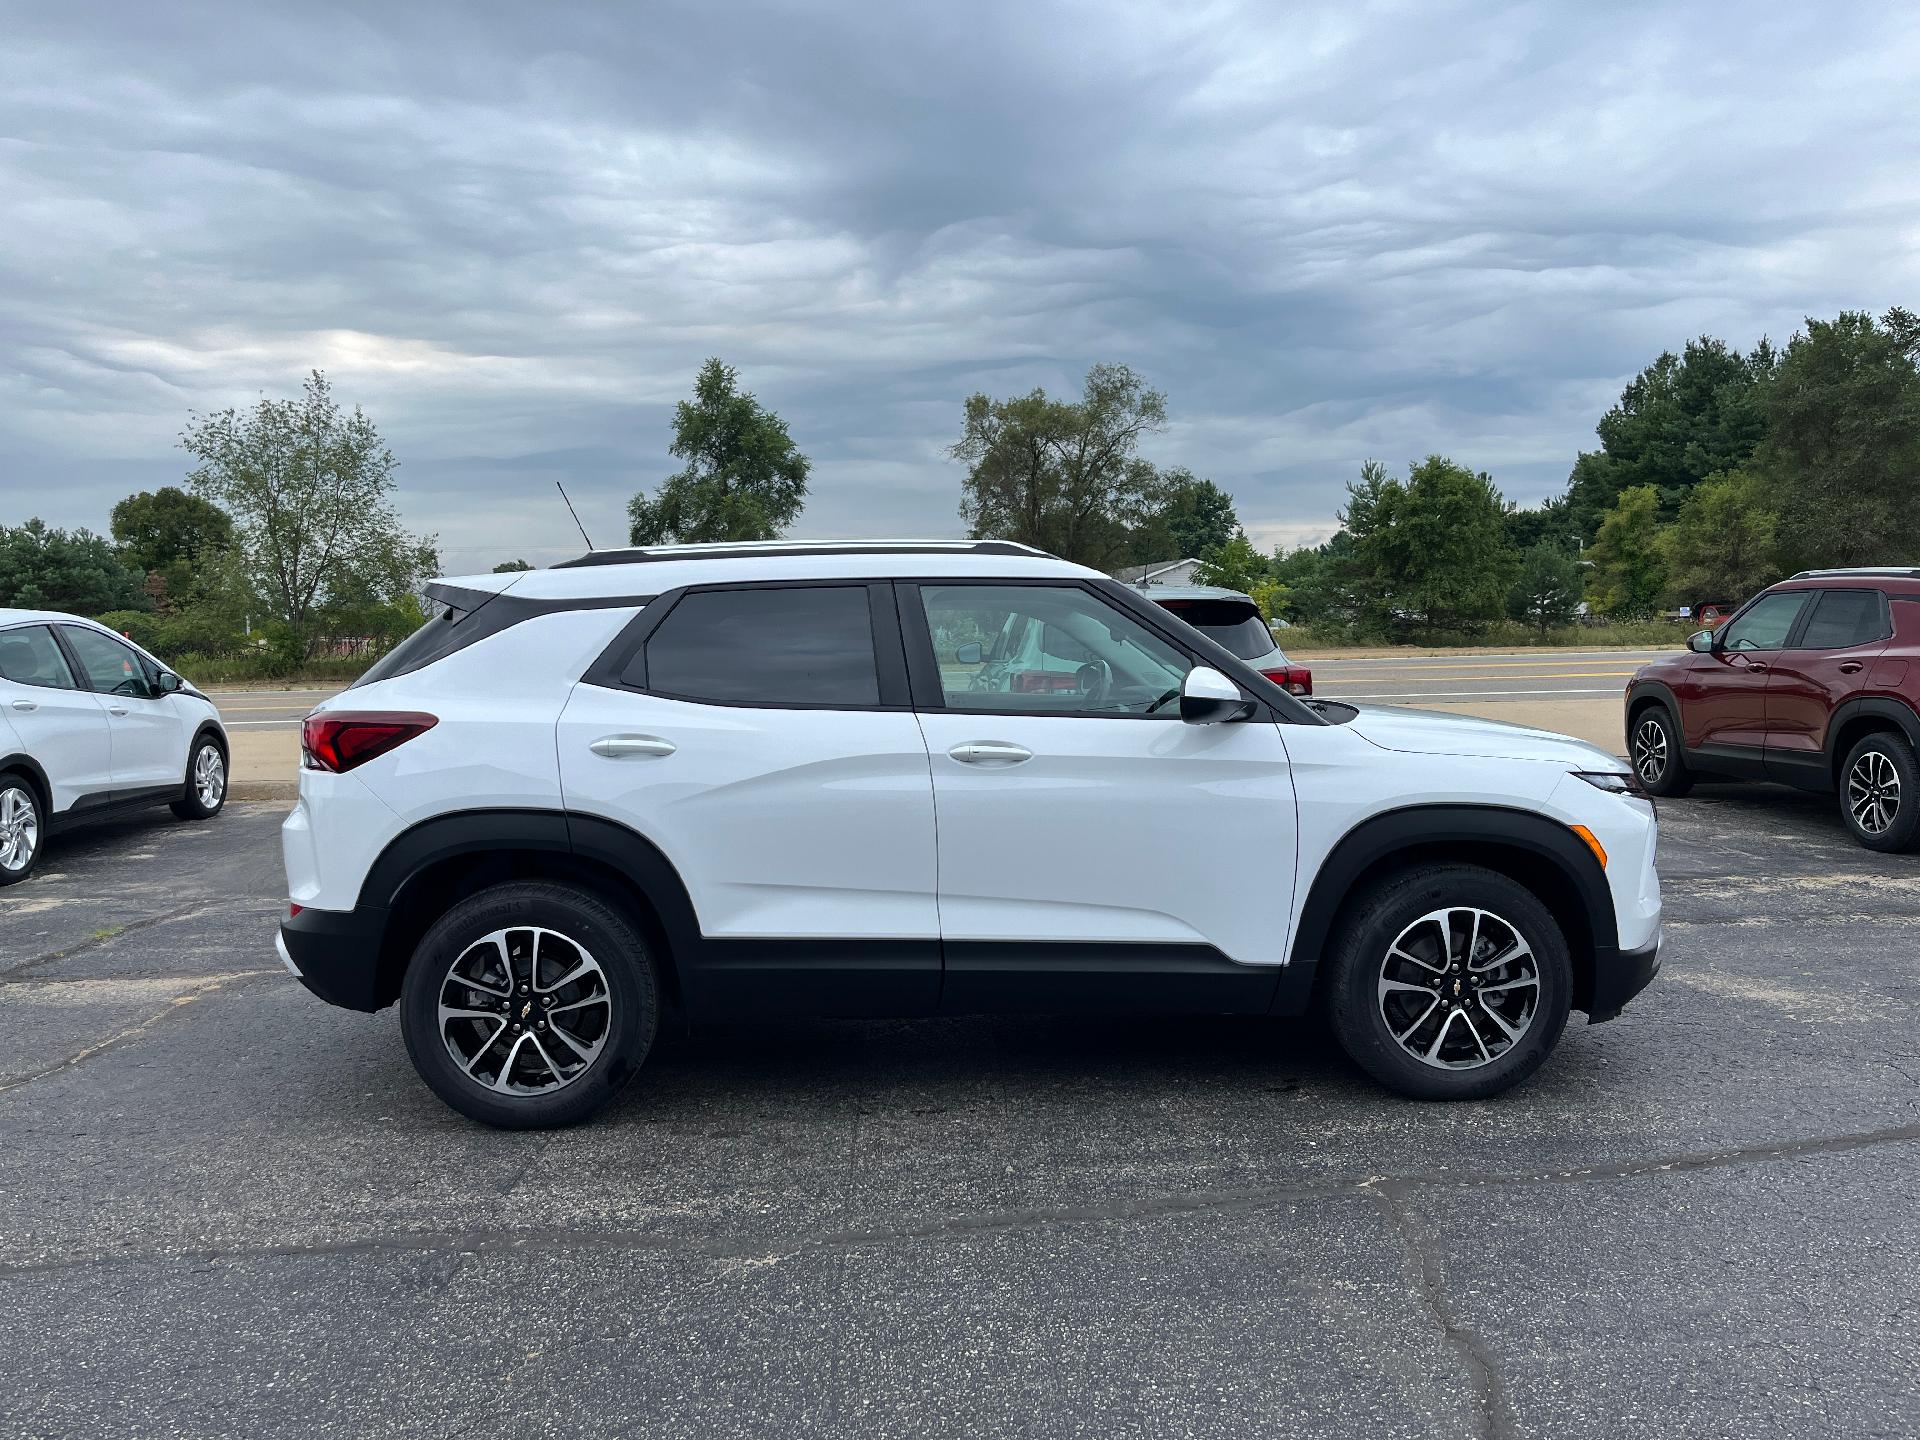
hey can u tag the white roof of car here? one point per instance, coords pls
(41, 617)
(654, 570)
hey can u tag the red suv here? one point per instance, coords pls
(1815, 682)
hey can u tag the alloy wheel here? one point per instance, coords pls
(1650, 750)
(1458, 988)
(525, 1010)
(19, 830)
(209, 777)
(1873, 792)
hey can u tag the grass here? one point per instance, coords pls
(260, 668)
(1643, 634)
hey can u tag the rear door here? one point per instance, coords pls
(1824, 664)
(1094, 850)
(1724, 704)
(149, 730)
(762, 738)
(62, 727)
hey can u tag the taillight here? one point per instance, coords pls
(1294, 679)
(338, 740)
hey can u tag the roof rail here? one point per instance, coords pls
(770, 549)
(1907, 570)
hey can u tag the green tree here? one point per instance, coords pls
(76, 571)
(1235, 565)
(1629, 567)
(1064, 476)
(170, 531)
(1434, 546)
(1324, 583)
(1724, 544)
(508, 567)
(744, 478)
(1547, 592)
(1841, 464)
(308, 487)
(1194, 518)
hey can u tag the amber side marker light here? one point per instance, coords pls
(1593, 843)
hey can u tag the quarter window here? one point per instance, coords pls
(1843, 618)
(109, 667)
(1767, 622)
(29, 656)
(805, 645)
(1047, 649)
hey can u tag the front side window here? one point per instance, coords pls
(1767, 623)
(1842, 618)
(804, 645)
(29, 656)
(108, 666)
(1048, 649)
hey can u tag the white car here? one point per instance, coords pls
(760, 780)
(92, 726)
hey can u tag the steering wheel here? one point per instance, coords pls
(1096, 683)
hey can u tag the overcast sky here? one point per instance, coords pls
(512, 232)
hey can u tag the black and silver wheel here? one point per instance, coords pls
(529, 1005)
(21, 829)
(206, 788)
(1880, 792)
(1654, 747)
(1450, 983)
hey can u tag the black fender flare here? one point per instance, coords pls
(1879, 707)
(1433, 831)
(1641, 691)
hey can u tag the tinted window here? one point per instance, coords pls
(1234, 625)
(28, 656)
(107, 665)
(811, 645)
(1844, 617)
(1049, 649)
(1766, 623)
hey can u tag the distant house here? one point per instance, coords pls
(1165, 572)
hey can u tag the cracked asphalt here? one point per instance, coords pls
(231, 1210)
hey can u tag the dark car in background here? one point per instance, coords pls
(1231, 619)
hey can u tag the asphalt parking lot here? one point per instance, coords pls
(230, 1210)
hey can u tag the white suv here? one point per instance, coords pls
(92, 726)
(770, 780)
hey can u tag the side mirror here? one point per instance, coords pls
(1208, 698)
(966, 654)
(169, 682)
(1701, 642)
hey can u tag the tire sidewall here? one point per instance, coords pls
(14, 782)
(1376, 921)
(188, 806)
(1906, 821)
(1673, 778)
(602, 931)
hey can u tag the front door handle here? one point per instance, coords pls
(1851, 667)
(26, 704)
(990, 752)
(621, 747)
(116, 709)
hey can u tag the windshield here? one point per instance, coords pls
(1234, 625)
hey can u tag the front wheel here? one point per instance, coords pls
(529, 1005)
(206, 788)
(1654, 747)
(1449, 983)
(1880, 792)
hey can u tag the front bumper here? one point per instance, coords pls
(1618, 977)
(336, 954)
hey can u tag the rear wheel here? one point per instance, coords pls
(22, 828)
(1880, 792)
(1449, 983)
(529, 1005)
(1654, 747)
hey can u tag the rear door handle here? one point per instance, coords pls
(26, 704)
(990, 752)
(621, 747)
(1851, 667)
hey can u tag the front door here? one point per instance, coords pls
(1826, 665)
(761, 742)
(62, 726)
(1093, 848)
(149, 732)
(1724, 699)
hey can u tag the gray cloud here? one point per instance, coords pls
(513, 232)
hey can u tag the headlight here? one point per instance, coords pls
(1616, 782)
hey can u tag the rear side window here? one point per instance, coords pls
(806, 645)
(1233, 625)
(1845, 617)
(29, 656)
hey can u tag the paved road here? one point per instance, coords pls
(1489, 678)
(268, 709)
(233, 1211)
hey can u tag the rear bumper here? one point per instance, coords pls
(336, 954)
(1620, 976)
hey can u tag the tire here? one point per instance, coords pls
(1880, 792)
(23, 829)
(205, 793)
(1653, 748)
(529, 1079)
(1395, 918)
